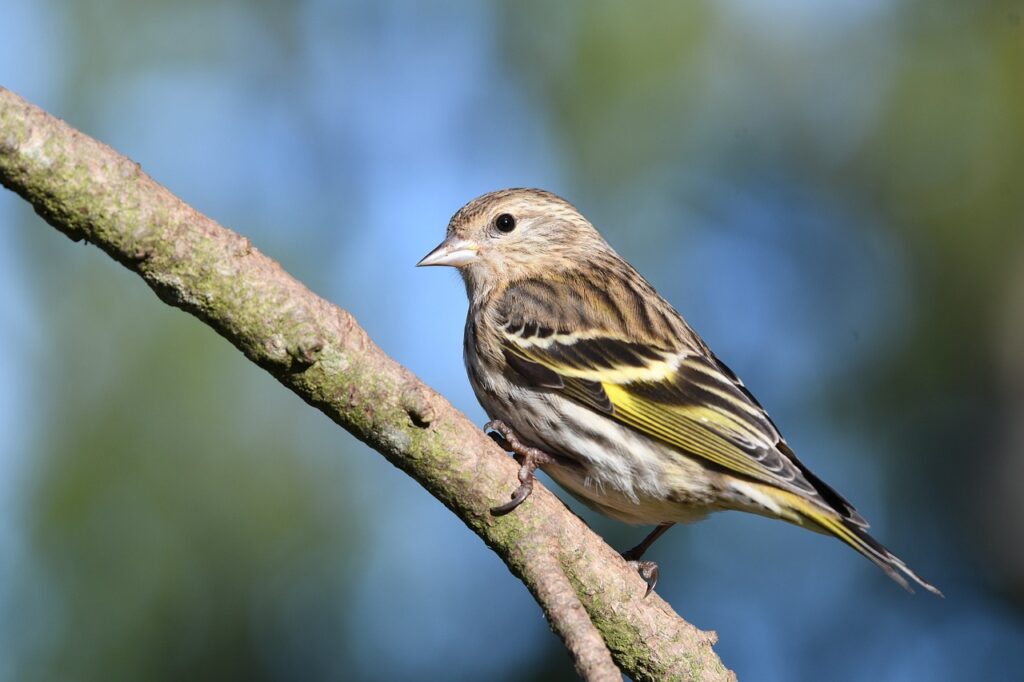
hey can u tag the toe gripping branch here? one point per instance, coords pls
(528, 458)
(648, 570)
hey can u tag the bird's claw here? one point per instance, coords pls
(518, 497)
(499, 439)
(529, 458)
(648, 570)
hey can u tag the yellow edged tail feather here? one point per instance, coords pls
(801, 511)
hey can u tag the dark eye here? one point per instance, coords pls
(505, 222)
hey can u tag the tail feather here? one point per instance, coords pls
(827, 492)
(852, 533)
(878, 554)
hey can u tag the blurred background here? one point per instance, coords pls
(830, 192)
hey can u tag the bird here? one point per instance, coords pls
(589, 374)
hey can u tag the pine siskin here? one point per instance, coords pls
(598, 380)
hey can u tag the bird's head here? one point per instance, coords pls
(514, 234)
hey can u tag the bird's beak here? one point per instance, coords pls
(453, 252)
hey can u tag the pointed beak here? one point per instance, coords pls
(453, 252)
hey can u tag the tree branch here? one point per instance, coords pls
(589, 595)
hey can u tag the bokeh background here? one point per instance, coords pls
(830, 192)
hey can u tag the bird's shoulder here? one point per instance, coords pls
(604, 303)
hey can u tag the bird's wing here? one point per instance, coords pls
(672, 388)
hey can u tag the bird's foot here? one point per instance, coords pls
(529, 459)
(648, 570)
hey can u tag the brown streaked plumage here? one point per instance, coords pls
(600, 381)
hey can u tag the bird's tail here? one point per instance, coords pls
(806, 513)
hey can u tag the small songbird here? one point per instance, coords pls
(594, 377)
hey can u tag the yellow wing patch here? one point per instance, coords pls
(690, 428)
(675, 397)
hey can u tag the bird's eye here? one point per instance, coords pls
(505, 222)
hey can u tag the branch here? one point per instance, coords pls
(591, 598)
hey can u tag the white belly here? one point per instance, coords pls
(606, 465)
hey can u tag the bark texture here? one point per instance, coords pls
(592, 599)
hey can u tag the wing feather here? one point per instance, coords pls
(675, 391)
